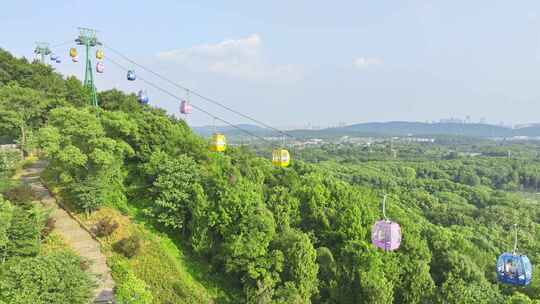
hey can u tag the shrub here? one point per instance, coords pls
(133, 291)
(55, 278)
(9, 160)
(48, 228)
(129, 288)
(20, 194)
(106, 227)
(23, 234)
(86, 195)
(129, 246)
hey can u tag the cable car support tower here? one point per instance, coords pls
(88, 39)
(42, 49)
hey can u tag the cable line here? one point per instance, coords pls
(198, 94)
(194, 106)
(62, 44)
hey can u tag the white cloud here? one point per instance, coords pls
(364, 62)
(240, 58)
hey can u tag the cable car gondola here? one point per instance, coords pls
(58, 60)
(54, 57)
(131, 75)
(386, 234)
(281, 158)
(73, 52)
(100, 54)
(218, 142)
(514, 268)
(100, 67)
(142, 97)
(185, 107)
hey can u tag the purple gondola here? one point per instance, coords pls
(185, 107)
(100, 67)
(386, 234)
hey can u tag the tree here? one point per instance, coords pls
(175, 189)
(88, 164)
(300, 266)
(21, 109)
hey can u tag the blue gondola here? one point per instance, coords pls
(54, 57)
(58, 60)
(142, 97)
(131, 75)
(514, 268)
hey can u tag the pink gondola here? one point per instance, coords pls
(100, 67)
(386, 234)
(185, 107)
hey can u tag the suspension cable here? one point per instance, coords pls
(211, 100)
(61, 44)
(384, 207)
(515, 239)
(194, 106)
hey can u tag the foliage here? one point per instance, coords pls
(54, 278)
(170, 275)
(87, 163)
(6, 216)
(20, 194)
(130, 289)
(278, 235)
(23, 233)
(175, 189)
(8, 161)
(106, 226)
(128, 246)
(21, 110)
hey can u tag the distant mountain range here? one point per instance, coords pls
(231, 131)
(392, 128)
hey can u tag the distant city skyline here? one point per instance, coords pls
(290, 62)
(465, 120)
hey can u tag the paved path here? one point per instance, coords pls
(74, 235)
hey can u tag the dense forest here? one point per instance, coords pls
(265, 234)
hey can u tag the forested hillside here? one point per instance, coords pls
(391, 128)
(264, 234)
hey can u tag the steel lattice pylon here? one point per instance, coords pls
(88, 39)
(42, 49)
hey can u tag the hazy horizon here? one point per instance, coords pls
(344, 124)
(291, 64)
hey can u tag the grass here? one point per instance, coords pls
(54, 243)
(171, 276)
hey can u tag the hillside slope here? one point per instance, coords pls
(185, 225)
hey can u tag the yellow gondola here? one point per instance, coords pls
(73, 52)
(100, 54)
(218, 143)
(281, 158)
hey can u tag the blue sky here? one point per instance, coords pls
(290, 63)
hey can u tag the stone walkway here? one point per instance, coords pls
(74, 235)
